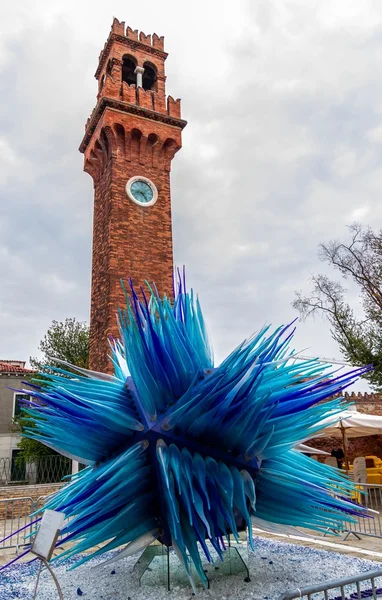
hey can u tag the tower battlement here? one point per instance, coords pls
(361, 396)
(119, 28)
(131, 39)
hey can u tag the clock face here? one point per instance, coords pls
(141, 191)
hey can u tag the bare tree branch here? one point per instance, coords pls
(360, 260)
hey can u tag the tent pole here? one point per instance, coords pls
(345, 448)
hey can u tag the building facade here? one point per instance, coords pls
(130, 140)
(12, 375)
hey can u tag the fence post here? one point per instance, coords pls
(31, 472)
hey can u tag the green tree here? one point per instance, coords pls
(66, 340)
(358, 260)
(31, 450)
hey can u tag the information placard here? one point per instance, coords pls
(48, 532)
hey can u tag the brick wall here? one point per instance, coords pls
(21, 508)
(364, 446)
(129, 241)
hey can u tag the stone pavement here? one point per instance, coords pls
(369, 548)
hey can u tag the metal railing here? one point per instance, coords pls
(16, 522)
(349, 588)
(46, 469)
(369, 496)
(15, 516)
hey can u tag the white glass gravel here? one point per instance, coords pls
(274, 567)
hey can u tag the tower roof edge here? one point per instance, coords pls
(125, 107)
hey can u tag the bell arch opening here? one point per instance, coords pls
(149, 79)
(129, 64)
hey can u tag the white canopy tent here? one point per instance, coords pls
(355, 423)
(350, 424)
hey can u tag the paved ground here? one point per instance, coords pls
(367, 547)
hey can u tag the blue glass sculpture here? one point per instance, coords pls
(183, 452)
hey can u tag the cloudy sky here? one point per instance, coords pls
(282, 151)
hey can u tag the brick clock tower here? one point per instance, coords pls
(130, 140)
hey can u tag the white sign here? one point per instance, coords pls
(47, 534)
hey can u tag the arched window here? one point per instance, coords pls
(152, 139)
(128, 67)
(149, 77)
(105, 142)
(136, 136)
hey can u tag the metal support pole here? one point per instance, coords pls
(46, 564)
(38, 579)
(60, 595)
(344, 443)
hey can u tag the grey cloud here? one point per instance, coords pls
(281, 148)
